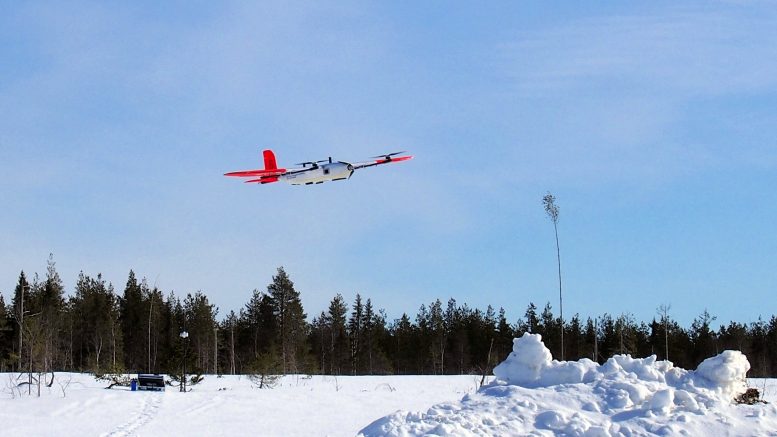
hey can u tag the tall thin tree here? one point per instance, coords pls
(549, 201)
(663, 311)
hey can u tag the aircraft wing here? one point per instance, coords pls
(254, 173)
(380, 160)
(261, 176)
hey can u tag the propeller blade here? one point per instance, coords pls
(388, 155)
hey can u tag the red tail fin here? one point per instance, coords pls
(269, 160)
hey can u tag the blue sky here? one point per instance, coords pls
(655, 126)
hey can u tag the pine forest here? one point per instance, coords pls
(104, 330)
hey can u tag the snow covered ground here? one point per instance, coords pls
(534, 396)
(231, 405)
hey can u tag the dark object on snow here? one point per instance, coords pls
(750, 397)
(151, 382)
(133, 384)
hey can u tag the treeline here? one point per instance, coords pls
(138, 329)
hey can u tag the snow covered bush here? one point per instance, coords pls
(114, 379)
(265, 370)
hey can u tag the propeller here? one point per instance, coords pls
(314, 163)
(388, 155)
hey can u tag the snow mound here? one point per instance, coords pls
(536, 395)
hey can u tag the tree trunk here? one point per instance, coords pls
(232, 350)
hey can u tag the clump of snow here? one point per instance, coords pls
(726, 372)
(625, 396)
(530, 364)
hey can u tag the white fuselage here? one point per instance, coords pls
(322, 173)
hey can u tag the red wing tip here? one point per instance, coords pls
(397, 159)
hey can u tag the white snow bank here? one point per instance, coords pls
(530, 364)
(536, 395)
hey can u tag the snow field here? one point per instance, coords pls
(230, 405)
(535, 395)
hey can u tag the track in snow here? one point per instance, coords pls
(148, 411)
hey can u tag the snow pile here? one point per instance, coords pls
(535, 395)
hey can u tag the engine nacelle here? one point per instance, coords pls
(337, 170)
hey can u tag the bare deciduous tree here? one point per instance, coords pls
(64, 384)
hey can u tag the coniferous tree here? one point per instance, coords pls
(627, 334)
(319, 336)
(404, 333)
(260, 319)
(174, 319)
(548, 327)
(133, 313)
(703, 337)
(21, 294)
(355, 333)
(49, 304)
(483, 327)
(642, 342)
(97, 326)
(458, 348)
(759, 364)
(438, 333)
(200, 324)
(609, 340)
(424, 343)
(229, 326)
(339, 349)
(6, 337)
(382, 343)
(734, 336)
(574, 338)
(33, 331)
(38, 310)
(503, 344)
(368, 332)
(290, 321)
(771, 347)
(532, 322)
(591, 339)
(154, 299)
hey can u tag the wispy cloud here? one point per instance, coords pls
(118, 121)
(704, 51)
(635, 98)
